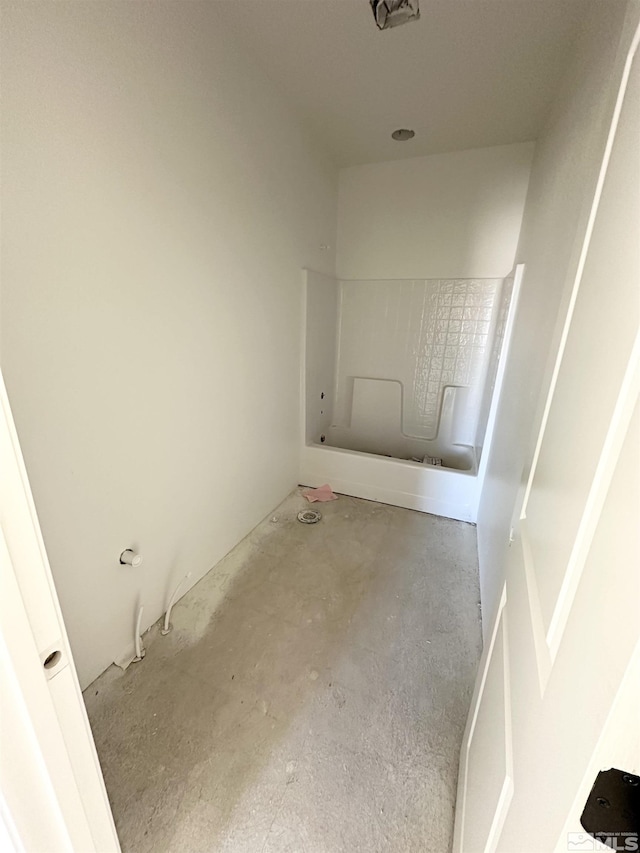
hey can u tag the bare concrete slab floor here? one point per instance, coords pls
(311, 697)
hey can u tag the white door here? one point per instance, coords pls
(558, 694)
(52, 796)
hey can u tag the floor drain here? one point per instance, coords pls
(309, 516)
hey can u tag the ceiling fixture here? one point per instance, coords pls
(392, 13)
(402, 134)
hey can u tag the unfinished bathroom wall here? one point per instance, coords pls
(455, 215)
(424, 336)
(159, 201)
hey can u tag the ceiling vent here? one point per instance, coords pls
(392, 13)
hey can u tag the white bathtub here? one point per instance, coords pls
(458, 457)
(413, 485)
(350, 458)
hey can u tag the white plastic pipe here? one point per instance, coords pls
(140, 652)
(166, 628)
(130, 558)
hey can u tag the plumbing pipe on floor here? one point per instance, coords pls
(140, 652)
(166, 628)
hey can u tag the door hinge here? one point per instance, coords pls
(612, 811)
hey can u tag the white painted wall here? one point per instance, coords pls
(158, 203)
(320, 327)
(565, 169)
(452, 215)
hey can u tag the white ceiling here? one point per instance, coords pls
(468, 74)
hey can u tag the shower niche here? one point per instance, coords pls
(400, 380)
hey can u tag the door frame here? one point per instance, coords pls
(547, 642)
(44, 718)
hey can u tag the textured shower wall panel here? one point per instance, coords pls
(426, 334)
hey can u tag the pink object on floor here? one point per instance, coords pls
(322, 493)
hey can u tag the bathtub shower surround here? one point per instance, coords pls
(399, 381)
(425, 335)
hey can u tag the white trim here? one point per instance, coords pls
(62, 754)
(543, 658)
(500, 373)
(508, 787)
(9, 838)
(618, 427)
(31, 737)
(595, 204)
(547, 638)
(483, 670)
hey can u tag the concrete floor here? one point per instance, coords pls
(311, 697)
